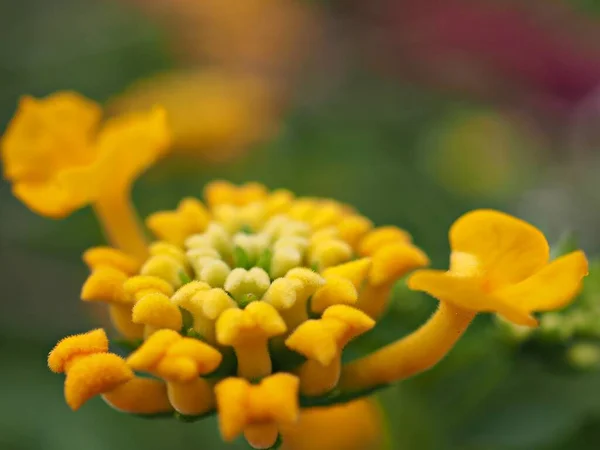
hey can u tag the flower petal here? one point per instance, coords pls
(127, 145)
(48, 135)
(467, 293)
(51, 199)
(507, 249)
(553, 287)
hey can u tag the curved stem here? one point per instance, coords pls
(410, 355)
(121, 224)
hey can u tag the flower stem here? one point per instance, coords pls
(121, 224)
(410, 355)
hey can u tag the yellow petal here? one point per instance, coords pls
(507, 249)
(158, 311)
(257, 319)
(140, 396)
(357, 425)
(105, 284)
(53, 198)
(152, 350)
(553, 287)
(393, 261)
(190, 217)
(355, 271)
(278, 394)
(315, 341)
(205, 357)
(381, 236)
(76, 346)
(127, 145)
(120, 317)
(261, 435)
(108, 256)
(193, 398)
(353, 228)
(48, 135)
(468, 293)
(94, 375)
(142, 284)
(232, 394)
(337, 290)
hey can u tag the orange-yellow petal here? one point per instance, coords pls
(380, 237)
(190, 217)
(553, 287)
(47, 135)
(152, 350)
(157, 310)
(105, 284)
(355, 271)
(140, 396)
(467, 293)
(393, 261)
(94, 375)
(108, 256)
(127, 145)
(232, 395)
(55, 198)
(357, 425)
(76, 346)
(507, 249)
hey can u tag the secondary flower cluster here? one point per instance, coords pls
(244, 303)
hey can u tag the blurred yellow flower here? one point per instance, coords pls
(58, 159)
(243, 60)
(214, 115)
(270, 38)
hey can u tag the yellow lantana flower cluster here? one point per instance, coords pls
(244, 304)
(245, 301)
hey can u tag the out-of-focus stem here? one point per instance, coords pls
(120, 223)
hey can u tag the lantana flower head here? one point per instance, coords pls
(244, 303)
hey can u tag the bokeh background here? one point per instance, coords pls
(414, 111)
